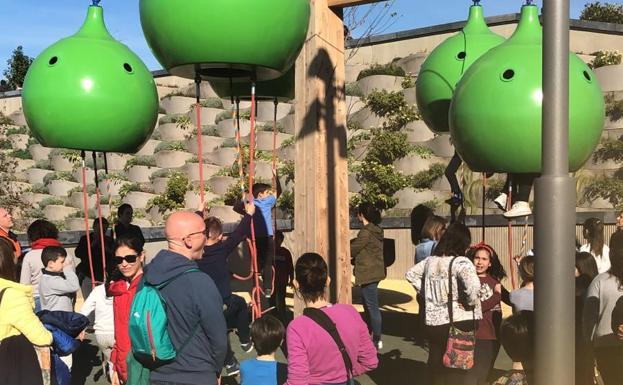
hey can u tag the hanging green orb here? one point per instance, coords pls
(225, 38)
(495, 115)
(90, 92)
(445, 65)
(280, 89)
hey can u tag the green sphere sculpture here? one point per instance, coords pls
(280, 89)
(495, 115)
(90, 92)
(252, 39)
(445, 66)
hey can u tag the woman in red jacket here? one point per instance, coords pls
(129, 256)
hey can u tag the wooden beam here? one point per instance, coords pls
(350, 3)
(321, 220)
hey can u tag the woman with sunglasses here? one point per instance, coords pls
(129, 256)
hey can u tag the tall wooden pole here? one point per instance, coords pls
(321, 221)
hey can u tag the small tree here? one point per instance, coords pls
(606, 12)
(18, 65)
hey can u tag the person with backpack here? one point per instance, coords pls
(129, 257)
(191, 348)
(329, 343)
(366, 253)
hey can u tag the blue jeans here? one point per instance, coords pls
(37, 304)
(370, 295)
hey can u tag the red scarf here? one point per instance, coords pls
(42, 243)
(9, 236)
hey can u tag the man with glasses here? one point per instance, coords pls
(194, 306)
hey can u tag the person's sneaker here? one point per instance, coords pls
(455, 200)
(268, 292)
(247, 347)
(500, 201)
(378, 345)
(519, 209)
(232, 369)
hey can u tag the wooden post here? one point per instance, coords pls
(321, 221)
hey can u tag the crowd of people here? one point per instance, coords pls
(459, 288)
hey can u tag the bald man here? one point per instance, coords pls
(194, 305)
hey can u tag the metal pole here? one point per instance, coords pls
(555, 211)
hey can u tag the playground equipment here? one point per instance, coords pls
(257, 40)
(495, 115)
(445, 66)
(90, 92)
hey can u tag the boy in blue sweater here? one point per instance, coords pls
(267, 335)
(214, 262)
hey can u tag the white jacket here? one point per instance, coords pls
(102, 305)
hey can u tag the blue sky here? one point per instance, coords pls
(36, 24)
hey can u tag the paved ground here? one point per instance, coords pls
(402, 362)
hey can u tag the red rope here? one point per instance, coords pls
(256, 293)
(511, 258)
(102, 244)
(85, 200)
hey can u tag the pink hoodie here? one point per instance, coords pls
(313, 356)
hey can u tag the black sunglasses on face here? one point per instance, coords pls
(128, 258)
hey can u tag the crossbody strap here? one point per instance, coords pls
(2, 294)
(451, 293)
(323, 320)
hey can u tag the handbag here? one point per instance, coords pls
(459, 352)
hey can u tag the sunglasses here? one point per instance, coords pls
(127, 258)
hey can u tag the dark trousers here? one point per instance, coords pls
(450, 173)
(18, 362)
(484, 358)
(522, 185)
(278, 301)
(584, 362)
(438, 340)
(265, 255)
(370, 296)
(237, 317)
(610, 364)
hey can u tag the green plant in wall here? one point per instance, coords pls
(605, 187)
(408, 81)
(173, 196)
(171, 146)
(353, 89)
(21, 154)
(285, 203)
(21, 130)
(606, 58)
(381, 69)
(140, 160)
(182, 122)
(606, 12)
(127, 188)
(5, 120)
(376, 174)
(211, 102)
(614, 107)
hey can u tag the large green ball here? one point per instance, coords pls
(90, 92)
(281, 89)
(495, 116)
(445, 65)
(225, 38)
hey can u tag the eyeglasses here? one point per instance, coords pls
(195, 233)
(128, 258)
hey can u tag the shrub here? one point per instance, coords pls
(393, 106)
(606, 58)
(607, 13)
(223, 116)
(229, 142)
(610, 149)
(129, 187)
(5, 120)
(39, 188)
(51, 201)
(408, 81)
(353, 89)
(21, 154)
(212, 102)
(381, 69)
(164, 173)
(209, 130)
(286, 203)
(425, 179)
(610, 189)
(171, 146)
(173, 197)
(43, 164)
(58, 175)
(288, 142)
(23, 130)
(5, 144)
(614, 108)
(140, 160)
(287, 170)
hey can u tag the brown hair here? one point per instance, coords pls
(7, 261)
(311, 273)
(214, 227)
(433, 227)
(526, 269)
(593, 229)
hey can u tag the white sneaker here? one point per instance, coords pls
(379, 345)
(500, 201)
(519, 209)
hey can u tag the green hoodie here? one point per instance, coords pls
(367, 255)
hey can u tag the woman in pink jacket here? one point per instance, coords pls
(313, 355)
